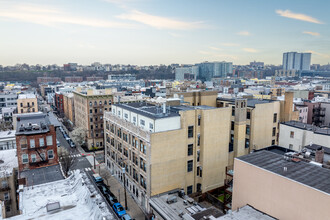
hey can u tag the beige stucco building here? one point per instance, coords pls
(198, 97)
(27, 103)
(281, 188)
(166, 148)
(89, 107)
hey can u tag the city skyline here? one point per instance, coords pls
(145, 32)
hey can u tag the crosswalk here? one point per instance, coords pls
(75, 155)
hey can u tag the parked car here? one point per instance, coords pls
(119, 209)
(61, 129)
(112, 199)
(72, 144)
(103, 188)
(67, 138)
(97, 178)
(126, 217)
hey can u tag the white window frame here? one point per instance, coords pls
(41, 140)
(52, 153)
(33, 158)
(6, 196)
(32, 143)
(26, 157)
(49, 140)
(142, 122)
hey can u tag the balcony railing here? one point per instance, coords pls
(128, 126)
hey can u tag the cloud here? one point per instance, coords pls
(319, 54)
(160, 22)
(175, 34)
(244, 33)
(218, 56)
(311, 33)
(215, 48)
(301, 17)
(250, 50)
(230, 45)
(50, 16)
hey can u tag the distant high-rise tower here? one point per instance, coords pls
(296, 61)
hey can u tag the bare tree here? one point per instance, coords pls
(79, 136)
(66, 161)
(105, 174)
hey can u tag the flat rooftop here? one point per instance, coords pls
(301, 172)
(26, 96)
(148, 110)
(8, 161)
(42, 175)
(250, 102)
(32, 123)
(7, 134)
(308, 127)
(245, 213)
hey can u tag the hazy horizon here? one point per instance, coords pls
(153, 32)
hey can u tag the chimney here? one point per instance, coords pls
(319, 154)
(164, 107)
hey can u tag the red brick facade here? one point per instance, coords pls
(24, 148)
(59, 102)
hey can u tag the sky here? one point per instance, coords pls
(151, 32)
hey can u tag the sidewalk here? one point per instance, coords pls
(118, 190)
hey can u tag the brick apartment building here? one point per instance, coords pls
(59, 102)
(36, 141)
(72, 79)
(94, 78)
(48, 79)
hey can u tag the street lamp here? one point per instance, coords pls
(123, 169)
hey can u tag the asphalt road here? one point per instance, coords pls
(80, 162)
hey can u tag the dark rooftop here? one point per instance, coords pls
(42, 175)
(315, 147)
(148, 110)
(32, 123)
(277, 149)
(308, 127)
(302, 172)
(250, 102)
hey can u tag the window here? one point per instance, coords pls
(190, 149)
(41, 142)
(95, 110)
(105, 102)
(233, 111)
(32, 143)
(4, 184)
(274, 131)
(142, 122)
(32, 103)
(198, 140)
(25, 158)
(100, 103)
(33, 158)
(91, 111)
(33, 110)
(247, 143)
(151, 125)
(199, 120)
(50, 154)
(248, 115)
(190, 165)
(6, 196)
(118, 113)
(21, 104)
(198, 155)
(21, 110)
(231, 147)
(273, 142)
(91, 119)
(248, 129)
(109, 102)
(134, 119)
(95, 102)
(189, 190)
(291, 134)
(49, 140)
(90, 103)
(290, 146)
(190, 131)
(275, 118)
(232, 125)
(126, 115)
(23, 143)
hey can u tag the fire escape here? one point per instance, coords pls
(228, 192)
(318, 115)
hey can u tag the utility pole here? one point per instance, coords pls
(126, 207)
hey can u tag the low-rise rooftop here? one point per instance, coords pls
(299, 171)
(26, 96)
(7, 134)
(250, 102)
(8, 161)
(308, 127)
(32, 123)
